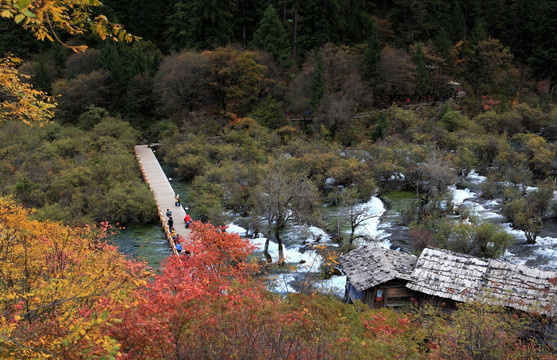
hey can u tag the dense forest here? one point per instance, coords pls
(268, 111)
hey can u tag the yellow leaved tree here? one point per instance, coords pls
(18, 99)
(58, 288)
(44, 19)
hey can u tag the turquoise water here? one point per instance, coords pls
(148, 242)
(397, 203)
(145, 242)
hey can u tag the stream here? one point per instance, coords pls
(146, 242)
(304, 260)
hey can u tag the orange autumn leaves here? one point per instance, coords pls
(55, 283)
(65, 293)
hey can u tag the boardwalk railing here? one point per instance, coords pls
(162, 193)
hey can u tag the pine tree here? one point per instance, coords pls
(372, 54)
(317, 82)
(424, 87)
(201, 24)
(271, 36)
(479, 32)
(42, 79)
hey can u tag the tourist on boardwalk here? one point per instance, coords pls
(168, 213)
(187, 220)
(170, 222)
(176, 200)
(179, 248)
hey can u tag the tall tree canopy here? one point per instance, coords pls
(55, 283)
(201, 24)
(270, 35)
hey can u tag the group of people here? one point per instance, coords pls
(170, 221)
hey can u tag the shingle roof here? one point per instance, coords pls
(522, 288)
(372, 265)
(464, 278)
(448, 275)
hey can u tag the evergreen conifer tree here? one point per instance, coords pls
(201, 24)
(270, 35)
(372, 53)
(42, 75)
(317, 82)
(424, 87)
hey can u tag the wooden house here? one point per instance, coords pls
(378, 276)
(448, 277)
(382, 277)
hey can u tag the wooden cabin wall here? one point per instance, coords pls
(447, 305)
(395, 294)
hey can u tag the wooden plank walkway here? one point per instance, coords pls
(162, 192)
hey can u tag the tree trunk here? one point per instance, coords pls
(351, 240)
(295, 32)
(266, 249)
(280, 246)
(244, 43)
(424, 200)
(530, 237)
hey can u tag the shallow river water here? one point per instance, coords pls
(149, 243)
(146, 242)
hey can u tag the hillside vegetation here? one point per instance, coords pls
(66, 294)
(268, 110)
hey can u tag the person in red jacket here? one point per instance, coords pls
(187, 220)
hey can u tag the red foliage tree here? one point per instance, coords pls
(173, 311)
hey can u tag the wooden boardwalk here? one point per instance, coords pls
(162, 192)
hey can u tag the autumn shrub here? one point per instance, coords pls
(490, 189)
(481, 331)
(76, 176)
(539, 153)
(526, 212)
(67, 294)
(268, 113)
(454, 121)
(330, 264)
(509, 122)
(92, 116)
(209, 305)
(388, 334)
(532, 119)
(485, 240)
